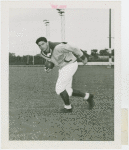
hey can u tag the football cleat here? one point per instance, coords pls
(64, 110)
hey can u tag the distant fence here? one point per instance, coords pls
(96, 63)
(101, 59)
(40, 61)
(80, 63)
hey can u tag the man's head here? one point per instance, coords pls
(42, 43)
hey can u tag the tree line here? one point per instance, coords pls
(102, 55)
(25, 60)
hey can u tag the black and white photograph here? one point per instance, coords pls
(61, 77)
(58, 91)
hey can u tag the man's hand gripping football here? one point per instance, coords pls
(47, 69)
(48, 66)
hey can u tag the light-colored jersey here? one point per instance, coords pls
(63, 54)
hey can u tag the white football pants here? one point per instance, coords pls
(64, 81)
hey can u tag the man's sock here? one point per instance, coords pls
(64, 95)
(78, 93)
(87, 96)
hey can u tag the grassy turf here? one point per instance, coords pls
(34, 105)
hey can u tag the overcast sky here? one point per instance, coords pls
(86, 28)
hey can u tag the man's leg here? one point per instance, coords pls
(86, 96)
(80, 94)
(65, 97)
(74, 92)
(63, 85)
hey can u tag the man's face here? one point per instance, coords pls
(43, 45)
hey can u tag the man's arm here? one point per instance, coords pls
(75, 50)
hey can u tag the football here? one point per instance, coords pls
(49, 65)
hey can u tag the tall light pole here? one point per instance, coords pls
(47, 24)
(62, 14)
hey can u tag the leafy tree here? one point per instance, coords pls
(104, 52)
(12, 58)
(94, 53)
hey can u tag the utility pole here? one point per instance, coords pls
(110, 59)
(62, 14)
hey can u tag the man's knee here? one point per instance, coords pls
(59, 90)
(69, 91)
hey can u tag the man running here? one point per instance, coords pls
(62, 54)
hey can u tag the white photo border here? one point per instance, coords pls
(6, 144)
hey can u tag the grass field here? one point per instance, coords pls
(34, 106)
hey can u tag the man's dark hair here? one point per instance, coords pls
(41, 39)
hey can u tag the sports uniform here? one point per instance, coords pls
(63, 56)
